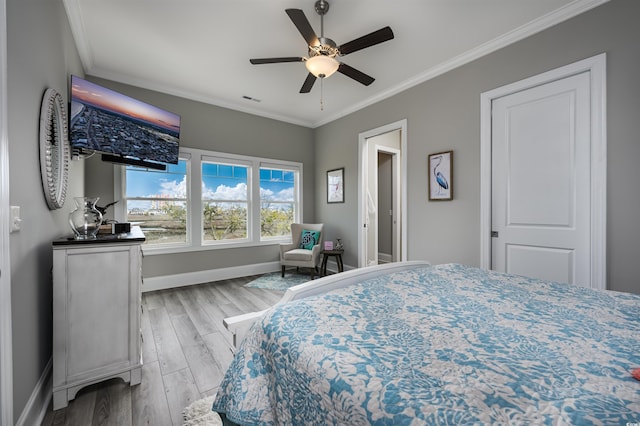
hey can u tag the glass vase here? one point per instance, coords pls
(85, 220)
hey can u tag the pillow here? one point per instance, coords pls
(308, 239)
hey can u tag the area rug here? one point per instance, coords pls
(199, 414)
(274, 280)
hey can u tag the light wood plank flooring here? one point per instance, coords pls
(186, 350)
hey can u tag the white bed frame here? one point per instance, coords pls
(239, 325)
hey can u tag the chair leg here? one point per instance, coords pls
(282, 271)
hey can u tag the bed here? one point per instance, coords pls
(415, 344)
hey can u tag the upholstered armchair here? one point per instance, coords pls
(295, 254)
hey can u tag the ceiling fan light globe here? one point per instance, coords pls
(322, 66)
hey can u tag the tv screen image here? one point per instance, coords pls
(124, 128)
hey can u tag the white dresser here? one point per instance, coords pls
(96, 312)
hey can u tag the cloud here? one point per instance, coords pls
(224, 192)
(239, 192)
(178, 189)
(173, 188)
(283, 195)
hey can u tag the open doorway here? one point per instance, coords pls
(387, 252)
(382, 195)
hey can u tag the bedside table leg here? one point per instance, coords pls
(324, 265)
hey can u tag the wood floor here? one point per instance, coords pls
(185, 350)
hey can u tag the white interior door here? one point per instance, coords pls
(541, 181)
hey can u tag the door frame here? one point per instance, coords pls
(362, 194)
(596, 67)
(6, 335)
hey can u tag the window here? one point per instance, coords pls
(277, 201)
(211, 200)
(157, 202)
(225, 201)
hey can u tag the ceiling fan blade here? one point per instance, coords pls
(358, 76)
(371, 39)
(301, 22)
(276, 60)
(308, 83)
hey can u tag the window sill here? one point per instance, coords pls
(154, 251)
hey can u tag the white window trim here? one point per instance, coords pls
(195, 158)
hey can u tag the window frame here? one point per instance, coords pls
(195, 158)
(217, 159)
(120, 212)
(297, 198)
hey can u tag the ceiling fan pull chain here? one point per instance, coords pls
(322, 94)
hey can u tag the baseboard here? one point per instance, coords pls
(332, 267)
(38, 403)
(385, 258)
(165, 282)
(189, 278)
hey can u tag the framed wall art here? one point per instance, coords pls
(335, 186)
(441, 176)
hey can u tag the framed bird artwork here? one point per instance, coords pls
(441, 176)
(335, 186)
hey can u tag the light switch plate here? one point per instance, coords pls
(15, 219)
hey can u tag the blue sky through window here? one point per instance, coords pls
(143, 182)
(220, 181)
(277, 185)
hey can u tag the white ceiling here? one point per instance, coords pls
(200, 49)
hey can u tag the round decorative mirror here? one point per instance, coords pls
(54, 149)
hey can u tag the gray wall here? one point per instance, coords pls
(40, 54)
(213, 128)
(444, 113)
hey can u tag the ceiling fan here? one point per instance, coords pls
(323, 52)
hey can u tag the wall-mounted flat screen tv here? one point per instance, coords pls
(121, 128)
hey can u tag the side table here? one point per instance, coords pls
(96, 312)
(325, 256)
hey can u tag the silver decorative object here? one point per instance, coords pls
(85, 220)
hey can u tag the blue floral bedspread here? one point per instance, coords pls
(446, 345)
